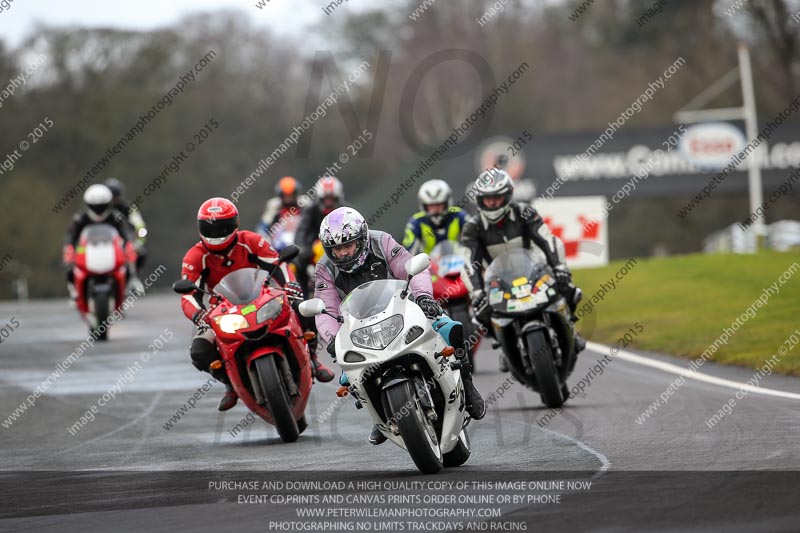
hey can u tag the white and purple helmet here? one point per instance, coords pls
(342, 226)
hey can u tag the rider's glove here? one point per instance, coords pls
(478, 301)
(199, 318)
(563, 275)
(68, 255)
(429, 306)
(293, 290)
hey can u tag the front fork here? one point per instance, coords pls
(283, 368)
(421, 391)
(521, 331)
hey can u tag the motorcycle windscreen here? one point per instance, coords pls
(514, 264)
(514, 280)
(242, 286)
(450, 258)
(98, 234)
(371, 298)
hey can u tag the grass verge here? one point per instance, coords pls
(683, 303)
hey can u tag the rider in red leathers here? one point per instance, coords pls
(99, 210)
(224, 248)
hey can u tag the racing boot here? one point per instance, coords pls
(503, 363)
(475, 405)
(320, 371)
(580, 343)
(454, 334)
(229, 399)
(73, 294)
(376, 436)
(135, 287)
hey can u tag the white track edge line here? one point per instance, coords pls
(691, 374)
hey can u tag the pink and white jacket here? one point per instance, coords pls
(384, 251)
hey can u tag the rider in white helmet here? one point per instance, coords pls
(438, 220)
(503, 224)
(98, 200)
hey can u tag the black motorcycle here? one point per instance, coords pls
(531, 321)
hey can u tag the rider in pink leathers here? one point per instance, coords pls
(354, 255)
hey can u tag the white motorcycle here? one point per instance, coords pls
(400, 369)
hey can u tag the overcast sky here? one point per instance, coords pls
(282, 16)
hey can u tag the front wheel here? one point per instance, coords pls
(277, 399)
(459, 455)
(547, 378)
(415, 428)
(102, 307)
(302, 424)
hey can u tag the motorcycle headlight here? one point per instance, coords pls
(231, 323)
(269, 310)
(378, 336)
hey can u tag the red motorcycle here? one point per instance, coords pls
(448, 261)
(263, 346)
(100, 274)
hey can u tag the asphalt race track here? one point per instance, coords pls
(124, 471)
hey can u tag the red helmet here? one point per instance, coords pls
(217, 221)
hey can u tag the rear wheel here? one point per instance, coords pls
(547, 378)
(415, 428)
(277, 399)
(459, 455)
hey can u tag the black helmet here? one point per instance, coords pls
(117, 188)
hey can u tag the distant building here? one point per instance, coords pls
(781, 236)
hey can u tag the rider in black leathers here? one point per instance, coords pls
(500, 225)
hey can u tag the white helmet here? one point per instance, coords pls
(98, 202)
(494, 182)
(435, 192)
(328, 186)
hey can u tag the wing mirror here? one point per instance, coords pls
(313, 307)
(418, 264)
(184, 286)
(288, 253)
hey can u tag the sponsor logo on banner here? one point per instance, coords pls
(712, 144)
(579, 224)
